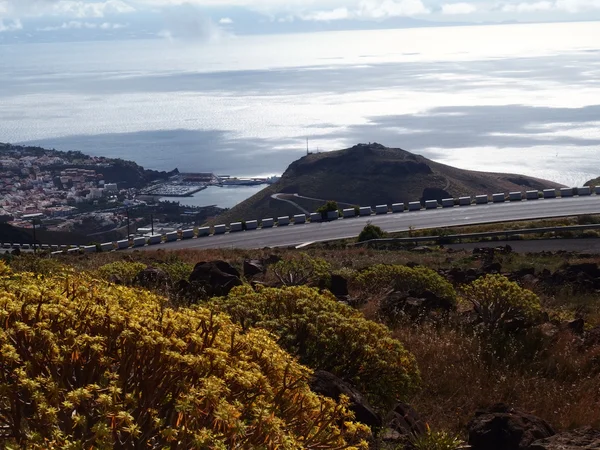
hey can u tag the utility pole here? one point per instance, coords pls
(152, 223)
(306, 146)
(34, 239)
(127, 212)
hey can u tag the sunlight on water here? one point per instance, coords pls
(517, 98)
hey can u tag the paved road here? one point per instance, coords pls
(294, 235)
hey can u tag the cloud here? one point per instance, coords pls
(458, 8)
(369, 9)
(79, 25)
(13, 25)
(569, 6)
(79, 9)
(328, 16)
(226, 21)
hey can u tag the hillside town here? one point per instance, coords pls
(73, 192)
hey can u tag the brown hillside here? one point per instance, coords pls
(368, 175)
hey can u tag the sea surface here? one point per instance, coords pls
(515, 98)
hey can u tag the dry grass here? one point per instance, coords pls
(457, 381)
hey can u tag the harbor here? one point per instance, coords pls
(200, 189)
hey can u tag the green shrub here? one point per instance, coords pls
(302, 269)
(89, 364)
(39, 264)
(370, 232)
(177, 270)
(381, 278)
(327, 335)
(438, 440)
(124, 270)
(499, 301)
(327, 207)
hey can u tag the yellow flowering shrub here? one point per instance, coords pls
(88, 364)
(382, 277)
(498, 301)
(327, 335)
(124, 270)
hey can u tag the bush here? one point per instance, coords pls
(370, 232)
(327, 207)
(124, 270)
(88, 364)
(327, 335)
(39, 264)
(381, 278)
(177, 270)
(301, 270)
(500, 302)
(438, 440)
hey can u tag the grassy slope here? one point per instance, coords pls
(370, 175)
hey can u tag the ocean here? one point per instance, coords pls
(506, 98)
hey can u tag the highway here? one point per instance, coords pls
(295, 235)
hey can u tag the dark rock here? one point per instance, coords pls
(503, 428)
(404, 423)
(328, 385)
(494, 267)
(339, 286)
(115, 279)
(421, 249)
(457, 275)
(407, 421)
(582, 439)
(589, 269)
(577, 326)
(215, 278)
(152, 278)
(272, 259)
(523, 272)
(413, 304)
(253, 267)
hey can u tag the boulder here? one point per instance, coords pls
(414, 304)
(405, 421)
(501, 427)
(152, 278)
(339, 286)
(493, 267)
(582, 439)
(331, 386)
(215, 278)
(253, 267)
(576, 326)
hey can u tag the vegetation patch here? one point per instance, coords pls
(327, 335)
(88, 364)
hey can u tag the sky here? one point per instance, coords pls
(74, 20)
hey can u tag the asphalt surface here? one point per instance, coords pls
(295, 235)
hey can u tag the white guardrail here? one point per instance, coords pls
(299, 219)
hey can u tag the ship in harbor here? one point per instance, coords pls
(226, 180)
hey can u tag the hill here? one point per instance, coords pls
(368, 175)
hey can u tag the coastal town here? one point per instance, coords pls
(73, 192)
